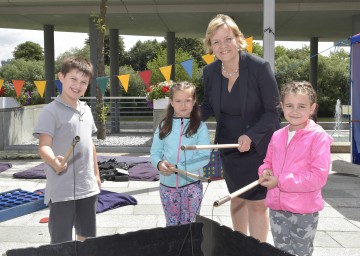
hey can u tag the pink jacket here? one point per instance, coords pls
(302, 168)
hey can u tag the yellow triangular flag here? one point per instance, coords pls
(166, 72)
(1, 82)
(249, 42)
(40, 85)
(208, 58)
(124, 79)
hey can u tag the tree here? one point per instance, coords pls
(28, 51)
(101, 110)
(141, 53)
(192, 46)
(122, 53)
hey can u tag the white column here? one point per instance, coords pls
(269, 32)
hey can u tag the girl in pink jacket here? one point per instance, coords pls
(295, 169)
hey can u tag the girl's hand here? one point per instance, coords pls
(244, 143)
(268, 180)
(165, 168)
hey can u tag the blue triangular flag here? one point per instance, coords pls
(58, 86)
(188, 66)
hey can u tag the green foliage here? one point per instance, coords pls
(29, 71)
(28, 51)
(141, 53)
(257, 49)
(161, 61)
(333, 75)
(121, 47)
(193, 46)
(76, 52)
(136, 84)
(290, 64)
(333, 82)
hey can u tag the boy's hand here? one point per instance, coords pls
(57, 166)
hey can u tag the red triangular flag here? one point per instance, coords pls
(145, 76)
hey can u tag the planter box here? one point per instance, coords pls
(161, 103)
(8, 102)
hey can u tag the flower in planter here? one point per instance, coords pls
(158, 91)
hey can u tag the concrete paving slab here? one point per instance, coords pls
(338, 232)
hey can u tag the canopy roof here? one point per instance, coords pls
(295, 20)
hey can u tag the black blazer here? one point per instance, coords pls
(259, 98)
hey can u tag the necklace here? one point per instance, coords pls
(227, 73)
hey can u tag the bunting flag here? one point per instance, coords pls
(208, 58)
(166, 72)
(40, 85)
(18, 85)
(188, 66)
(249, 42)
(102, 83)
(124, 79)
(145, 76)
(58, 84)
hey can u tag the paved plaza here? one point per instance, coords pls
(338, 231)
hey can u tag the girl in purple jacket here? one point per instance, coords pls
(295, 169)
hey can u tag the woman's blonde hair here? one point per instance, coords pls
(218, 21)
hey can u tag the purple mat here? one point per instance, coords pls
(108, 200)
(5, 166)
(141, 171)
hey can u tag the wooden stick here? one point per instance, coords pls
(70, 150)
(236, 193)
(215, 146)
(192, 175)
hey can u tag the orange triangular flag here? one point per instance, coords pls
(208, 58)
(145, 76)
(249, 42)
(166, 72)
(1, 82)
(18, 85)
(124, 79)
(40, 85)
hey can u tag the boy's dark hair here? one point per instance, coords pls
(82, 64)
(165, 125)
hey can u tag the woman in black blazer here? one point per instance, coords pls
(240, 90)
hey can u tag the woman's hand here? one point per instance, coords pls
(244, 143)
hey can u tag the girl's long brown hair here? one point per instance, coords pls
(165, 126)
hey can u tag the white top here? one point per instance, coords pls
(290, 136)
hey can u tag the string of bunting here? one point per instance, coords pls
(144, 75)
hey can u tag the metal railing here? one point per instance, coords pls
(132, 110)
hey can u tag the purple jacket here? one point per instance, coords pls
(302, 168)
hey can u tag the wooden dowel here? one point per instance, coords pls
(236, 193)
(70, 150)
(215, 146)
(192, 175)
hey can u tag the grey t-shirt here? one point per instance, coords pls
(63, 123)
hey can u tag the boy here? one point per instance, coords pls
(72, 185)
